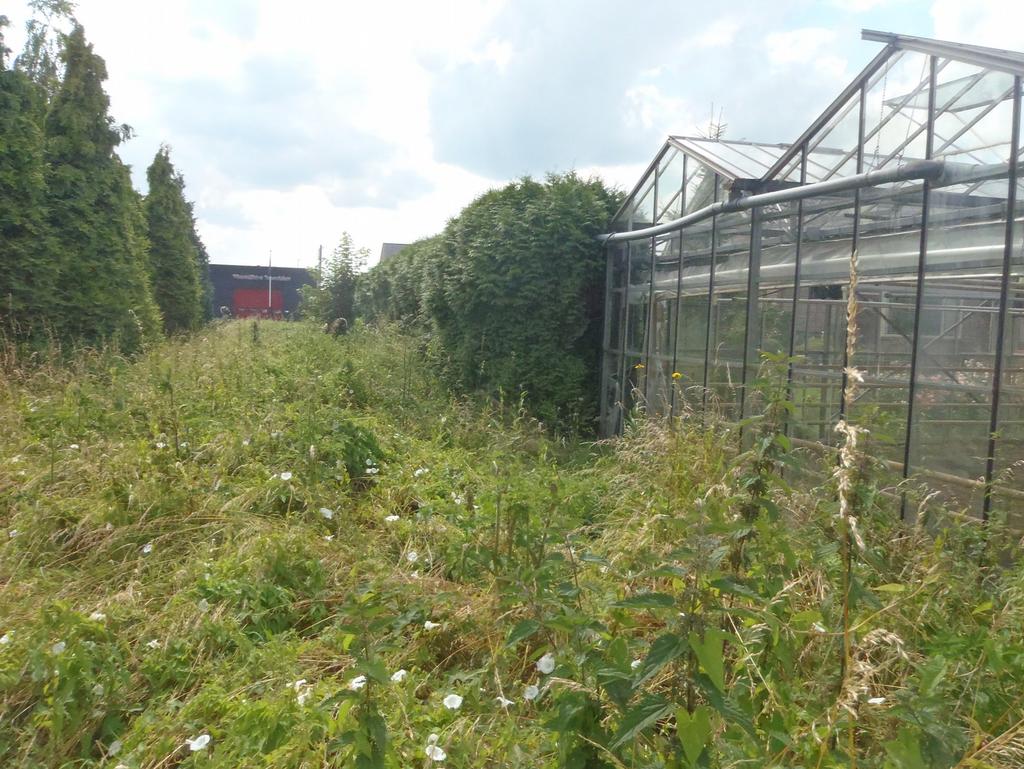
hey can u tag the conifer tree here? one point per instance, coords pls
(28, 268)
(203, 265)
(96, 216)
(40, 58)
(173, 258)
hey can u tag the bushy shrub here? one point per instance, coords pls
(513, 292)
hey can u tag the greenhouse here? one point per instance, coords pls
(729, 254)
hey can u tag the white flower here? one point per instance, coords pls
(452, 702)
(328, 537)
(203, 605)
(184, 444)
(153, 644)
(428, 625)
(370, 463)
(399, 675)
(198, 743)
(97, 616)
(420, 471)
(434, 753)
(161, 445)
(73, 446)
(245, 441)
(531, 693)
(876, 701)
(504, 702)
(303, 691)
(372, 470)
(147, 548)
(12, 533)
(286, 476)
(109, 526)
(819, 628)
(98, 690)
(636, 663)
(357, 683)
(391, 518)
(115, 748)
(415, 574)
(327, 513)
(412, 556)
(546, 664)
(59, 647)
(6, 638)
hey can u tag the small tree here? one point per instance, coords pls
(334, 295)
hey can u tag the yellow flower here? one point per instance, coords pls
(676, 375)
(639, 366)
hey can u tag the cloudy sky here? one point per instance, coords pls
(295, 121)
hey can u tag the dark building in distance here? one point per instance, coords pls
(250, 291)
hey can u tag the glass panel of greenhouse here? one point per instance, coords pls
(729, 254)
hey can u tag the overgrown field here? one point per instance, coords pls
(264, 546)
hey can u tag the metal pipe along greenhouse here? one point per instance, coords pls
(730, 251)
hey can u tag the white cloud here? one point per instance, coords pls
(797, 46)
(993, 23)
(860, 6)
(717, 34)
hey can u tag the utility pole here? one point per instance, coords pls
(320, 266)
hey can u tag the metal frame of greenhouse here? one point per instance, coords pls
(728, 253)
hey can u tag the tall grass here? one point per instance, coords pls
(248, 533)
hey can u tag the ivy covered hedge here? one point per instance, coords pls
(512, 293)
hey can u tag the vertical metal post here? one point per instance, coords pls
(1004, 299)
(854, 244)
(711, 302)
(753, 324)
(624, 398)
(649, 347)
(320, 266)
(606, 335)
(679, 296)
(791, 349)
(921, 264)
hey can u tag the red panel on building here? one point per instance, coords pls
(251, 302)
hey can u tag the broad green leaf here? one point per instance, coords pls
(664, 649)
(905, 751)
(522, 629)
(709, 652)
(646, 601)
(694, 731)
(640, 717)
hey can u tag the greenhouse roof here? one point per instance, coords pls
(990, 58)
(733, 159)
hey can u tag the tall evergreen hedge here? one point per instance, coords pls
(513, 292)
(96, 217)
(173, 258)
(28, 269)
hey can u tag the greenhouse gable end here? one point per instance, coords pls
(727, 251)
